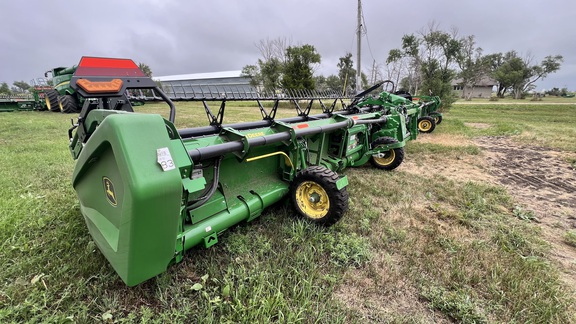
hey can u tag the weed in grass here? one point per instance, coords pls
(523, 214)
(572, 162)
(570, 238)
(517, 239)
(393, 235)
(348, 250)
(459, 305)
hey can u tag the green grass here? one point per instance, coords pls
(570, 238)
(411, 249)
(541, 125)
(527, 100)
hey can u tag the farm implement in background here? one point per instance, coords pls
(16, 102)
(149, 192)
(29, 101)
(424, 108)
(430, 115)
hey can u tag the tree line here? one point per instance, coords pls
(285, 66)
(17, 87)
(427, 62)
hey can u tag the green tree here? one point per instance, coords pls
(517, 74)
(550, 64)
(145, 69)
(333, 83)
(299, 67)
(404, 65)
(4, 89)
(21, 86)
(512, 75)
(267, 72)
(252, 72)
(494, 62)
(433, 55)
(271, 71)
(473, 66)
(554, 92)
(320, 82)
(347, 74)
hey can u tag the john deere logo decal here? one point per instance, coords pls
(110, 193)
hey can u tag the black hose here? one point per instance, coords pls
(202, 200)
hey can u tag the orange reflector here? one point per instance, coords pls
(113, 86)
(355, 117)
(302, 126)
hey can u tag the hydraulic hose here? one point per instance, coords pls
(202, 200)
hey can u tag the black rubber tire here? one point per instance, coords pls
(51, 97)
(426, 124)
(392, 159)
(68, 104)
(307, 183)
(437, 119)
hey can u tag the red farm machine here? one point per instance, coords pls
(149, 192)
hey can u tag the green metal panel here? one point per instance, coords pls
(131, 206)
(245, 189)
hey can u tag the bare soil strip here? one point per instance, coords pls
(543, 182)
(539, 179)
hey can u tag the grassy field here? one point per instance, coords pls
(413, 248)
(527, 100)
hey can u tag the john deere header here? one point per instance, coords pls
(149, 191)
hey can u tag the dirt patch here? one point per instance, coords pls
(543, 182)
(385, 295)
(537, 175)
(540, 179)
(444, 139)
(462, 168)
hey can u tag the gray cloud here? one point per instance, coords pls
(176, 37)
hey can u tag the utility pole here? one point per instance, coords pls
(373, 73)
(359, 39)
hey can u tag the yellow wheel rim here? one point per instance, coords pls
(437, 119)
(47, 102)
(424, 125)
(385, 158)
(312, 199)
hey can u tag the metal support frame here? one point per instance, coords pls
(215, 120)
(268, 115)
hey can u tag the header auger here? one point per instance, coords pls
(149, 192)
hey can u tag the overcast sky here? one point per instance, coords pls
(180, 37)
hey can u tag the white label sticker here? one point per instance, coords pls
(165, 159)
(208, 229)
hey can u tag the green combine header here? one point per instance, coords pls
(149, 192)
(425, 108)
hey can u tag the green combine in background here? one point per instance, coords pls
(62, 98)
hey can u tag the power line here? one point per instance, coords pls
(365, 32)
